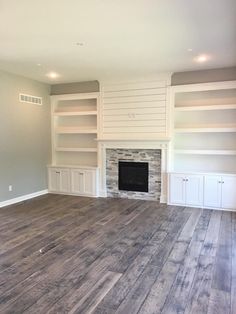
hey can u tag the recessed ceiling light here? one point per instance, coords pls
(79, 44)
(201, 58)
(52, 75)
(39, 64)
(190, 49)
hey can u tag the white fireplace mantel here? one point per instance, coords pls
(162, 144)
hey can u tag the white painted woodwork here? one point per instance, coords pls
(75, 149)
(73, 180)
(203, 127)
(74, 129)
(209, 128)
(132, 86)
(75, 113)
(203, 108)
(205, 189)
(134, 109)
(194, 190)
(228, 192)
(177, 189)
(65, 180)
(204, 152)
(54, 180)
(212, 191)
(186, 189)
(59, 180)
(83, 182)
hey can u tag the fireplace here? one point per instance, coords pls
(133, 176)
(133, 173)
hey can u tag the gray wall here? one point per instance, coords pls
(24, 137)
(72, 88)
(204, 76)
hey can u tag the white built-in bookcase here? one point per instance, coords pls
(204, 128)
(75, 129)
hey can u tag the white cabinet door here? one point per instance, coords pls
(65, 180)
(89, 182)
(83, 182)
(194, 190)
(77, 181)
(212, 191)
(54, 180)
(177, 188)
(59, 180)
(228, 192)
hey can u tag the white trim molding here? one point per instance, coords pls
(22, 198)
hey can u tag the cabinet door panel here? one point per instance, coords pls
(89, 183)
(77, 181)
(229, 192)
(54, 180)
(65, 180)
(177, 189)
(212, 191)
(194, 190)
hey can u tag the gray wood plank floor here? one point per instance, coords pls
(67, 254)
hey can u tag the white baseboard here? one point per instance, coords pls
(22, 198)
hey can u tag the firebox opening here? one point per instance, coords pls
(133, 176)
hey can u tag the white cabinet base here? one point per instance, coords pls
(186, 189)
(203, 190)
(74, 181)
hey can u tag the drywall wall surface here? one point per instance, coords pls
(24, 137)
(73, 88)
(204, 76)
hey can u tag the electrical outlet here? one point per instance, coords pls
(10, 188)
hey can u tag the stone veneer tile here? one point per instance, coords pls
(152, 156)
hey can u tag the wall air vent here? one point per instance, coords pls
(31, 99)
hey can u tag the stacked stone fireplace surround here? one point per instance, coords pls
(151, 156)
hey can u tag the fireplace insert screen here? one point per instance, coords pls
(133, 176)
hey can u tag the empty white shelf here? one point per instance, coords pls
(75, 113)
(205, 152)
(75, 149)
(71, 130)
(209, 107)
(207, 128)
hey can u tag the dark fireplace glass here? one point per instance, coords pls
(133, 176)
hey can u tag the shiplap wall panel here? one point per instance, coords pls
(142, 98)
(142, 104)
(138, 117)
(136, 92)
(133, 86)
(141, 123)
(134, 111)
(130, 129)
(134, 108)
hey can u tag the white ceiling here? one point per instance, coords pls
(122, 38)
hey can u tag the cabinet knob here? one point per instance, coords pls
(222, 181)
(187, 180)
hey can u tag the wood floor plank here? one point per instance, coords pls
(219, 302)
(233, 269)
(222, 271)
(211, 240)
(198, 299)
(68, 254)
